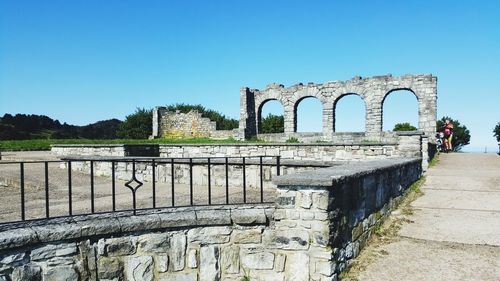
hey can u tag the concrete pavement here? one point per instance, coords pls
(454, 231)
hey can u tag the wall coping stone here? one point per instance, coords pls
(252, 160)
(409, 133)
(22, 234)
(238, 144)
(328, 176)
(88, 145)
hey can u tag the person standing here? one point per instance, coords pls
(448, 135)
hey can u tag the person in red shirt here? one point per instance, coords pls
(448, 135)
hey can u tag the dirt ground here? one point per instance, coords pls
(81, 191)
(452, 232)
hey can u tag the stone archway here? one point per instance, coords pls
(372, 90)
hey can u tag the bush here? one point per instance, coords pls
(404, 127)
(273, 124)
(138, 125)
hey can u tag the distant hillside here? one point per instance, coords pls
(136, 125)
(30, 126)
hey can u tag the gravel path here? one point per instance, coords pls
(454, 232)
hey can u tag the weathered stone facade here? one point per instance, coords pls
(168, 124)
(373, 91)
(319, 222)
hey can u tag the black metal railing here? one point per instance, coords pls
(135, 183)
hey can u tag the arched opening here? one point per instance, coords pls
(271, 117)
(308, 115)
(349, 114)
(400, 107)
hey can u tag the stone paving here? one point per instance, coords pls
(454, 232)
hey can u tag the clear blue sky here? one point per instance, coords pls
(84, 61)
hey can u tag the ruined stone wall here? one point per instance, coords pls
(320, 220)
(372, 90)
(168, 124)
(185, 125)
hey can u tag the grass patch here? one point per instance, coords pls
(366, 141)
(292, 140)
(434, 160)
(44, 144)
(384, 233)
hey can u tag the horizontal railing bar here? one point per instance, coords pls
(35, 161)
(216, 160)
(127, 159)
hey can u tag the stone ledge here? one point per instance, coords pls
(234, 144)
(328, 176)
(33, 232)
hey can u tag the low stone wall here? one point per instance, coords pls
(163, 173)
(355, 197)
(319, 222)
(301, 152)
(402, 144)
(88, 150)
(315, 137)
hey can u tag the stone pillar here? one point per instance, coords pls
(426, 90)
(328, 121)
(248, 117)
(290, 116)
(156, 121)
(425, 152)
(373, 120)
(427, 115)
(302, 231)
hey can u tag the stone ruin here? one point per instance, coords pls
(178, 125)
(372, 90)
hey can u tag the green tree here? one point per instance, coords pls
(273, 124)
(496, 132)
(138, 125)
(461, 135)
(404, 127)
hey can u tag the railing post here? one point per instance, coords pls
(154, 183)
(113, 185)
(191, 181)
(244, 182)
(278, 165)
(92, 205)
(227, 180)
(70, 202)
(261, 181)
(23, 214)
(209, 183)
(133, 190)
(172, 177)
(47, 212)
